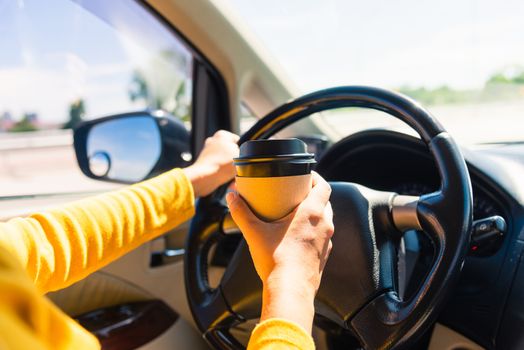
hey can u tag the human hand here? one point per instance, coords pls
(289, 254)
(214, 166)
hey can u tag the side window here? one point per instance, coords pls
(66, 61)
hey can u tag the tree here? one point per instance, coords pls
(161, 84)
(76, 114)
(138, 89)
(498, 78)
(181, 109)
(512, 75)
(26, 124)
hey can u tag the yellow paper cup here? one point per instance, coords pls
(274, 176)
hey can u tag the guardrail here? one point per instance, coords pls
(36, 139)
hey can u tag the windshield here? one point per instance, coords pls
(463, 60)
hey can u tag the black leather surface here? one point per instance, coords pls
(361, 264)
(358, 288)
(446, 217)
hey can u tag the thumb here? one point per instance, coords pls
(241, 213)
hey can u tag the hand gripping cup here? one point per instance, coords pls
(273, 176)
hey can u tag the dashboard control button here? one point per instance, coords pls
(487, 235)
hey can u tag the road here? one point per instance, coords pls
(44, 162)
(469, 124)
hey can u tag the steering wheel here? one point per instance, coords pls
(358, 292)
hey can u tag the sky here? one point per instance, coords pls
(45, 60)
(54, 51)
(389, 43)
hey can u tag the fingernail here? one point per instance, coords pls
(230, 197)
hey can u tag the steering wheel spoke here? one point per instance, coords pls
(363, 245)
(404, 213)
(241, 285)
(218, 313)
(218, 321)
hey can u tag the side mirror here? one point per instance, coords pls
(131, 147)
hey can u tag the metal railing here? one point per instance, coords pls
(36, 139)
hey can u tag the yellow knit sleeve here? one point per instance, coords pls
(61, 246)
(280, 334)
(28, 320)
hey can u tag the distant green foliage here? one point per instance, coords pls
(182, 109)
(499, 86)
(514, 77)
(76, 114)
(505, 85)
(161, 87)
(438, 96)
(26, 124)
(139, 90)
(498, 78)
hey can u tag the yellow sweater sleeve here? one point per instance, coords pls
(280, 334)
(61, 246)
(28, 320)
(56, 248)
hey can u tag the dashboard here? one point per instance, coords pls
(390, 161)
(483, 306)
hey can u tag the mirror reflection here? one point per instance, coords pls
(124, 149)
(99, 163)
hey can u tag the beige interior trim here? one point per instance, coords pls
(130, 278)
(180, 336)
(163, 282)
(98, 290)
(444, 338)
(101, 290)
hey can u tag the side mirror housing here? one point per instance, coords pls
(131, 147)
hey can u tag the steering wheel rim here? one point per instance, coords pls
(377, 316)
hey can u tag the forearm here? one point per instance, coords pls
(287, 313)
(61, 246)
(289, 297)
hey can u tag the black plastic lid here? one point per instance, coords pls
(273, 148)
(276, 157)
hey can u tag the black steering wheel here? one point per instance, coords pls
(358, 293)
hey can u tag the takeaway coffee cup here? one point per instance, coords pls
(273, 176)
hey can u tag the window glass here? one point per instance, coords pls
(66, 61)
(463, 60)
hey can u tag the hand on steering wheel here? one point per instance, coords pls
(214, 165)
